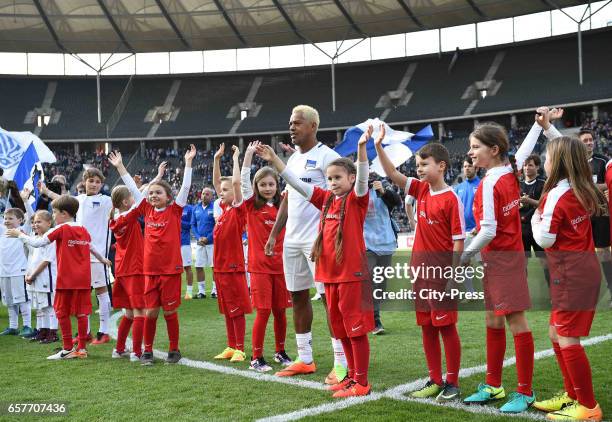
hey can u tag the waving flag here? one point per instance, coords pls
(399, 145)
(20, 154)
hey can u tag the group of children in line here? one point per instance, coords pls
(148, 266)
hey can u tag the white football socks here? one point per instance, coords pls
(304, 347)
(104, 308)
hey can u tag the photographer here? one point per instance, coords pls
(380, 233)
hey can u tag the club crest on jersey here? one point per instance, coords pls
(310, 164)
(95, 204)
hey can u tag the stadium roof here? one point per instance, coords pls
(113, 26)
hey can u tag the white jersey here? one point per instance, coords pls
(45, 281)
(13, 256)
(93, 214)
(303, 217)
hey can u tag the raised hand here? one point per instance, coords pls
(25, 194)
(366, 135)
(161, 170)
(220, 151)
(235, 152)
(114, 157)
(555, 113)
(266, 152)
(287, 148)
(190, 154)
(381, 135)
(252, 148)
(542, 117)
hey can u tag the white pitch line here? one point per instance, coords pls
(397, 392)
(209, 366)
(481, 410)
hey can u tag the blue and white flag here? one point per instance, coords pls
(20, 154)
(398, 145)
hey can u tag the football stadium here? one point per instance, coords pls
(274, 210)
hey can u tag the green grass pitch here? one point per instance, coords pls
(101, 388)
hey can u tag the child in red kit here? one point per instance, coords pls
(162, 260)
(72, 295)
(232, 290)
(268, 288)
(339, 254)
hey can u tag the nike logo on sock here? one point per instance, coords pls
(356, 328)
(438, 318)
(234, 310)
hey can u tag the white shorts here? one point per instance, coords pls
(99, 275)
(42, 300)
(186, 254)
(204, 256)
(13, 290)
(299, 269)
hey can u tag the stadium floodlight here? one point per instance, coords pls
(244, 114)
(483, 93)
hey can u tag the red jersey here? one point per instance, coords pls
(353, 266)
(565, 219)
(228, 255)
(259, 225)
(497, 203)
(440, 218)
(73, 264)
(129, 246)
(162, 239)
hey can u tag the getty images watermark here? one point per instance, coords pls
(448, 275)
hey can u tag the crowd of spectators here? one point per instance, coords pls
(602, 129)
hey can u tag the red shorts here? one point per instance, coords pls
(349, 307)
(128, 292)
(572, 323)
(506, 294)
(72, 302)
(269, 291)
(436, 318)
(162, 291)
(233, 294)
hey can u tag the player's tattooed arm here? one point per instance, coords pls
(395, 176)
(279, 225)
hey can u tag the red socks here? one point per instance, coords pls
(137, 329)
(347, 346)
(361, 358)
(579, 370)
(523, 349)
(239, 330)
(66, 327)
(82, 324)
(452, 351)
(172, 325)
(150, 325)
(259, 332)
(496, 349)
(280, 328)
(231, 335)
(567, 380)
(122, 333)
(433, 354)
